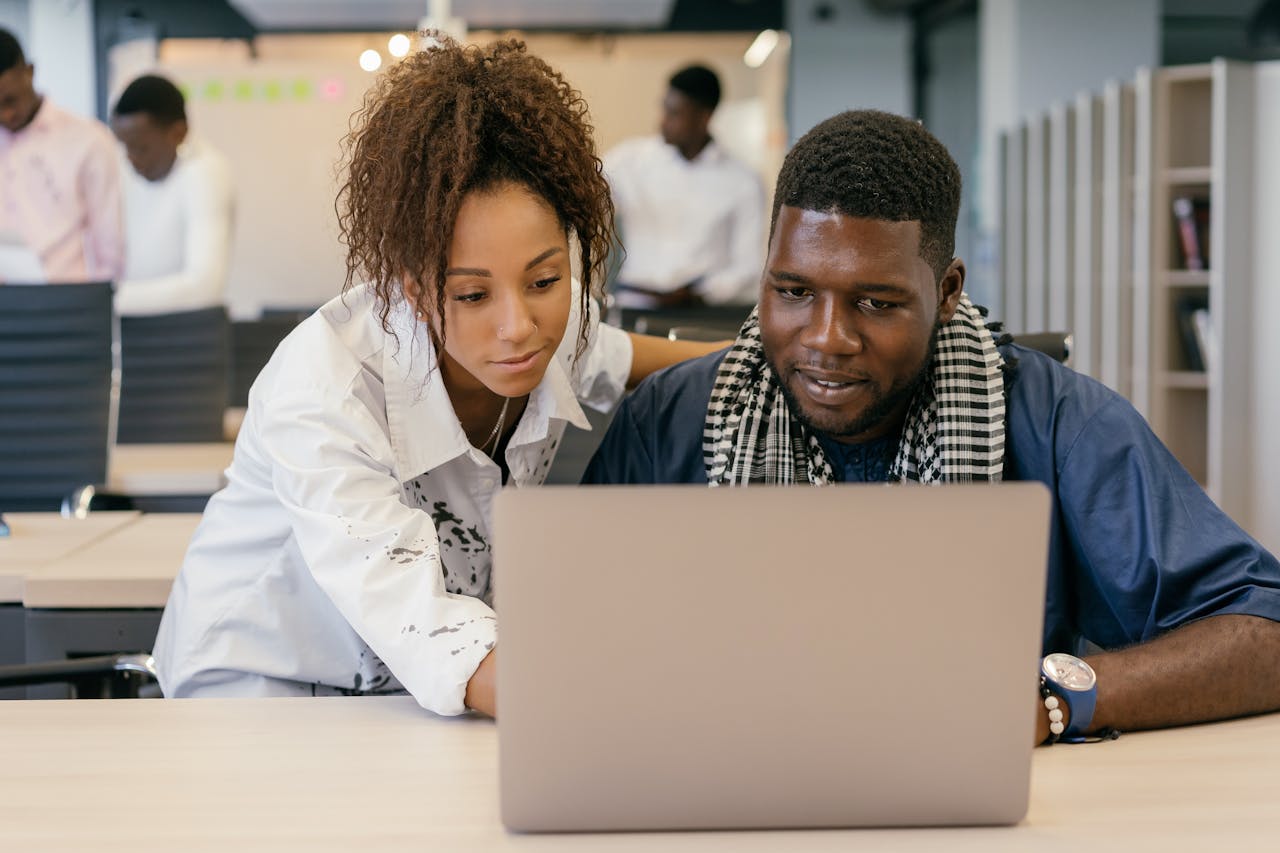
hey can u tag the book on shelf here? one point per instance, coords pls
(1204, 337)
(1196, 330)
(1191, 215)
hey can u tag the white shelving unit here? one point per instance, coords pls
(1090, 246)
(1202, 147)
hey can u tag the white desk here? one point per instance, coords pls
(375, 774)
(132, 566)
(105, 597)
(40, 538)
(35, 540)
(168, 469)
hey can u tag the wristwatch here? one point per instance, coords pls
(1074, 683)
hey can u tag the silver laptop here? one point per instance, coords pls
(680, 657)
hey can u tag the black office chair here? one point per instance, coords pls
(252, 344)
(57, 383)
(728, 318)
(175, 377)
(123, 676)
(706, 334)
(1056, 345)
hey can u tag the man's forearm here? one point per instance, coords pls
(1219, 667)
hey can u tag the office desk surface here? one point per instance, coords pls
(133, 566)
(380, 774)
(168, 469)
(39, 538)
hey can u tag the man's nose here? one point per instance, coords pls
(832, 329)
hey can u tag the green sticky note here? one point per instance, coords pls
(243, 90)
(302, 90)
(271, 90)
(214, 90)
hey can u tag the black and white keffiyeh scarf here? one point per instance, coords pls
(954, 429)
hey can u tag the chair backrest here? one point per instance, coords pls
(252, 344)
(1056, 345)
(705, 334)
(55, 391)
(661, 321)
(175, 379)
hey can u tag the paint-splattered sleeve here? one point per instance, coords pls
(376, 558)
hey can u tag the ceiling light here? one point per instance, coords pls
(398, 44)
(370, 60)
(761, 48)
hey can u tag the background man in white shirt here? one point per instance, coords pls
(178, 205)
(691, 216)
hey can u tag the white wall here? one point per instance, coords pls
(855, 60)
(14, 18)
(60, 44)
(1035, 53)
(1266, 309)
(283, 151)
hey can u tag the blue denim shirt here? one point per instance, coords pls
(1136, 547)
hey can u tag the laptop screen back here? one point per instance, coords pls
(693, 658)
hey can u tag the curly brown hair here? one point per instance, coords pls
(451, 120)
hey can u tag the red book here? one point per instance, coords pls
(1192, 216)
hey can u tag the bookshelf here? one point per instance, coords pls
(1200, 150)
(1091, 246)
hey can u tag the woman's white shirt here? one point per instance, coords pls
(350, 550)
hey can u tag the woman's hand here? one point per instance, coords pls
(482, 692)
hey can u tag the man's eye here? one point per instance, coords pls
(876, 304)
(793, 292)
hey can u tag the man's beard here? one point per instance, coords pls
(883, 404)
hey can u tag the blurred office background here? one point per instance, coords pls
(273, 83)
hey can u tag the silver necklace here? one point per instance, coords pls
(497, 428)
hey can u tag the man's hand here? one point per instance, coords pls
(482, 692)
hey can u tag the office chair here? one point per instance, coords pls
(175, 378)
(1056, 345)
(252, 344)
(58, 391)
(707, 334)
(120, 676)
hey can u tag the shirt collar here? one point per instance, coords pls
(710, 153)
(46, 117)
(425, 431)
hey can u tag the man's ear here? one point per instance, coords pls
(178, 132)
(950, 288)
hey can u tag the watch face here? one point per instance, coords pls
(1069, 671)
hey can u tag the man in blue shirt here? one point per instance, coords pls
(866, 362)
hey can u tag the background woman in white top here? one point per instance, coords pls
(350, 550)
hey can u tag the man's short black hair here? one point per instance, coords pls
(11, 55)
(876, 165)
(155, 96)
(699, 84)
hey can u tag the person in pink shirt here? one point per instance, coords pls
(59, 180)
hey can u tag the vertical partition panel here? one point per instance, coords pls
(1231, 280)
(1013, 242)
(1143, 187)
(1087, 266)
(1061, 278)
(1117, 236)
(1035, 308)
